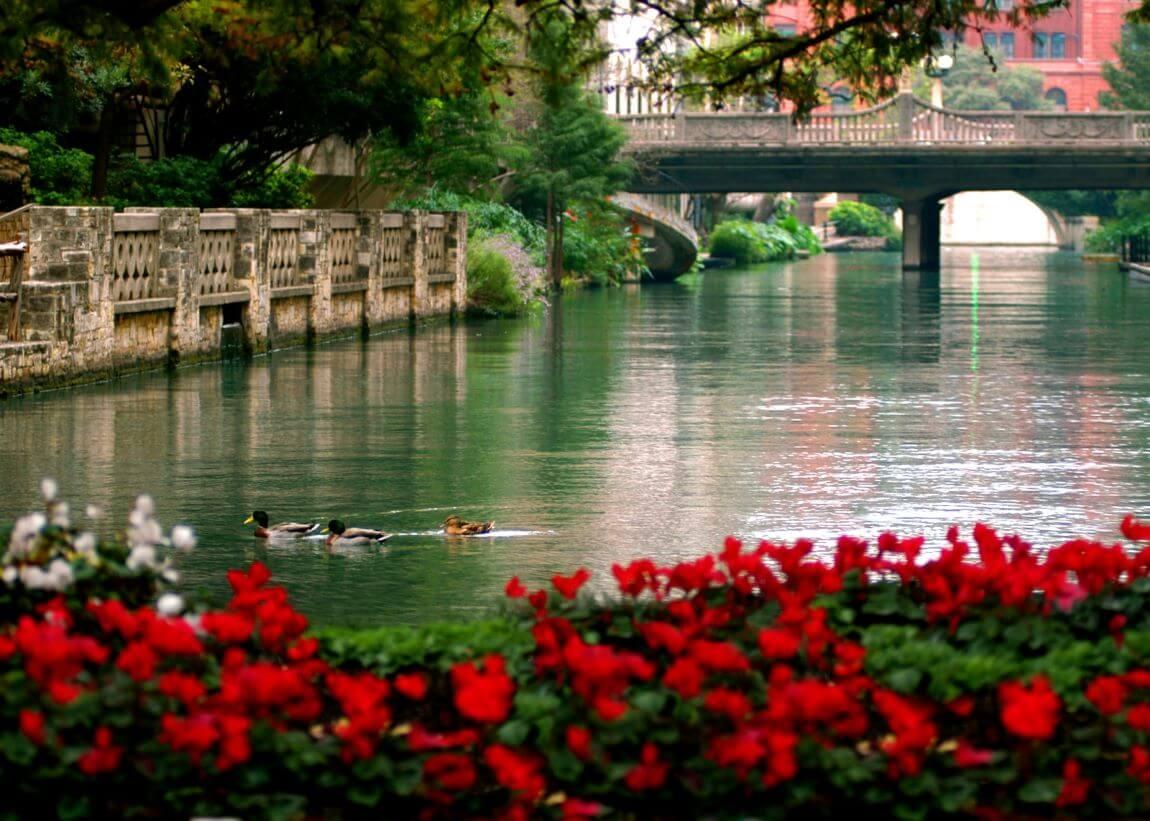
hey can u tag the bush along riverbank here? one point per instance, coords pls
(859, 219)
(987, 681)
(507, 251)
(748, 243)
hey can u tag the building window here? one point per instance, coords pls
(1057, 45)
(785, 29)
(842, 99)
(1006, 44)
(1058, 97)
(990, 40)
(1005, 5)
(1041, 45)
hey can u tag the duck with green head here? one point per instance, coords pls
(455, 526)
(339, 533)
(283, 529)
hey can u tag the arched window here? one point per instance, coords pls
(1058, 97)
(842, 99)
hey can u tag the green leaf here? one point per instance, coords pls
(905, 680)
(514, 732)
(1041, 790)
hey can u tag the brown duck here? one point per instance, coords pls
(454, 526)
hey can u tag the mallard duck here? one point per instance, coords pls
(454, 526)
(352, 535)
(282, 529)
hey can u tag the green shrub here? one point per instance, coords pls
(751, 242)
(60, 176)
(491, 286)
(597, 245)
(287, 187)
(173, 182)
(857, 219)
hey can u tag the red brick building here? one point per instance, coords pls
(1069, 46)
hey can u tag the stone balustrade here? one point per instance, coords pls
(112, 292)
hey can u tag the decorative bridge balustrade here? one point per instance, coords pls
(135, 256)
(107, 291)
(901, 120)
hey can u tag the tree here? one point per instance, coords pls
(977, 83)
(1129, 78)
(571, 148)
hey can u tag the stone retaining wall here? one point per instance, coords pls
(105, 293)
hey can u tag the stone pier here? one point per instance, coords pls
(106, 293)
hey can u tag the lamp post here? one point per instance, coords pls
(936, 68)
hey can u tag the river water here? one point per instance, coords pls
(825, 396)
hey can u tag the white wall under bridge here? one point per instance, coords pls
(1005, 218)
(996, 218)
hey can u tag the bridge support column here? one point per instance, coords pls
(921, 233)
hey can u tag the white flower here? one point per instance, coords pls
(10, 575)
(142, 557)
(183, 537)
(145, 504)
(60, 516)
(170, 604)
(24, 534)
(85, 545)
(49, 489)
(60, 572)
(94, 512)
(170, 575)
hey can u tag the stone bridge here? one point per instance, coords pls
(671, 243)
(903, 147)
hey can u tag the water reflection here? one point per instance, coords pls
(831, 395)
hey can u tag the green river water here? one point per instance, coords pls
(825, 396)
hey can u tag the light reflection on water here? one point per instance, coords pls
(826, 396)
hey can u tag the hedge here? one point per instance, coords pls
(984, 678)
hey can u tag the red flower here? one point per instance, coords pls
(195, 735)
(303, 649)
(450, 771)
(538, 599)
(412, 685)
(1138, 717)
(660, 634)
(184, 688)
(103, 757)
(1137, 678)
(173, 637)
(1134, 530)
(63, 692)
(235, 746)
(1074, 787)
(228, 628)
(635, 577)
(576, 808)
(650, 773)
(568, 586)
(517, 771)
(1139, 764)
(483, 695)
(32, 726)
(420, 740)
(1107, 694)
(138, 661)
(579, 742)
(515, 588)
(961, 706)
(256, 577)
(1030, 712)
(967, 755)
(718, 656)
(685, 677)
(609, 709)
(114, 617)
(7, 648)
(778, 644)
(730, 703)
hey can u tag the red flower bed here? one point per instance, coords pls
(990, 680)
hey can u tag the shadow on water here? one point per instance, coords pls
(830, 395)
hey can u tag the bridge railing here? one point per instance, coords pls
(904, 119)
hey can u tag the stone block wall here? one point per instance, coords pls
(105, 293)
